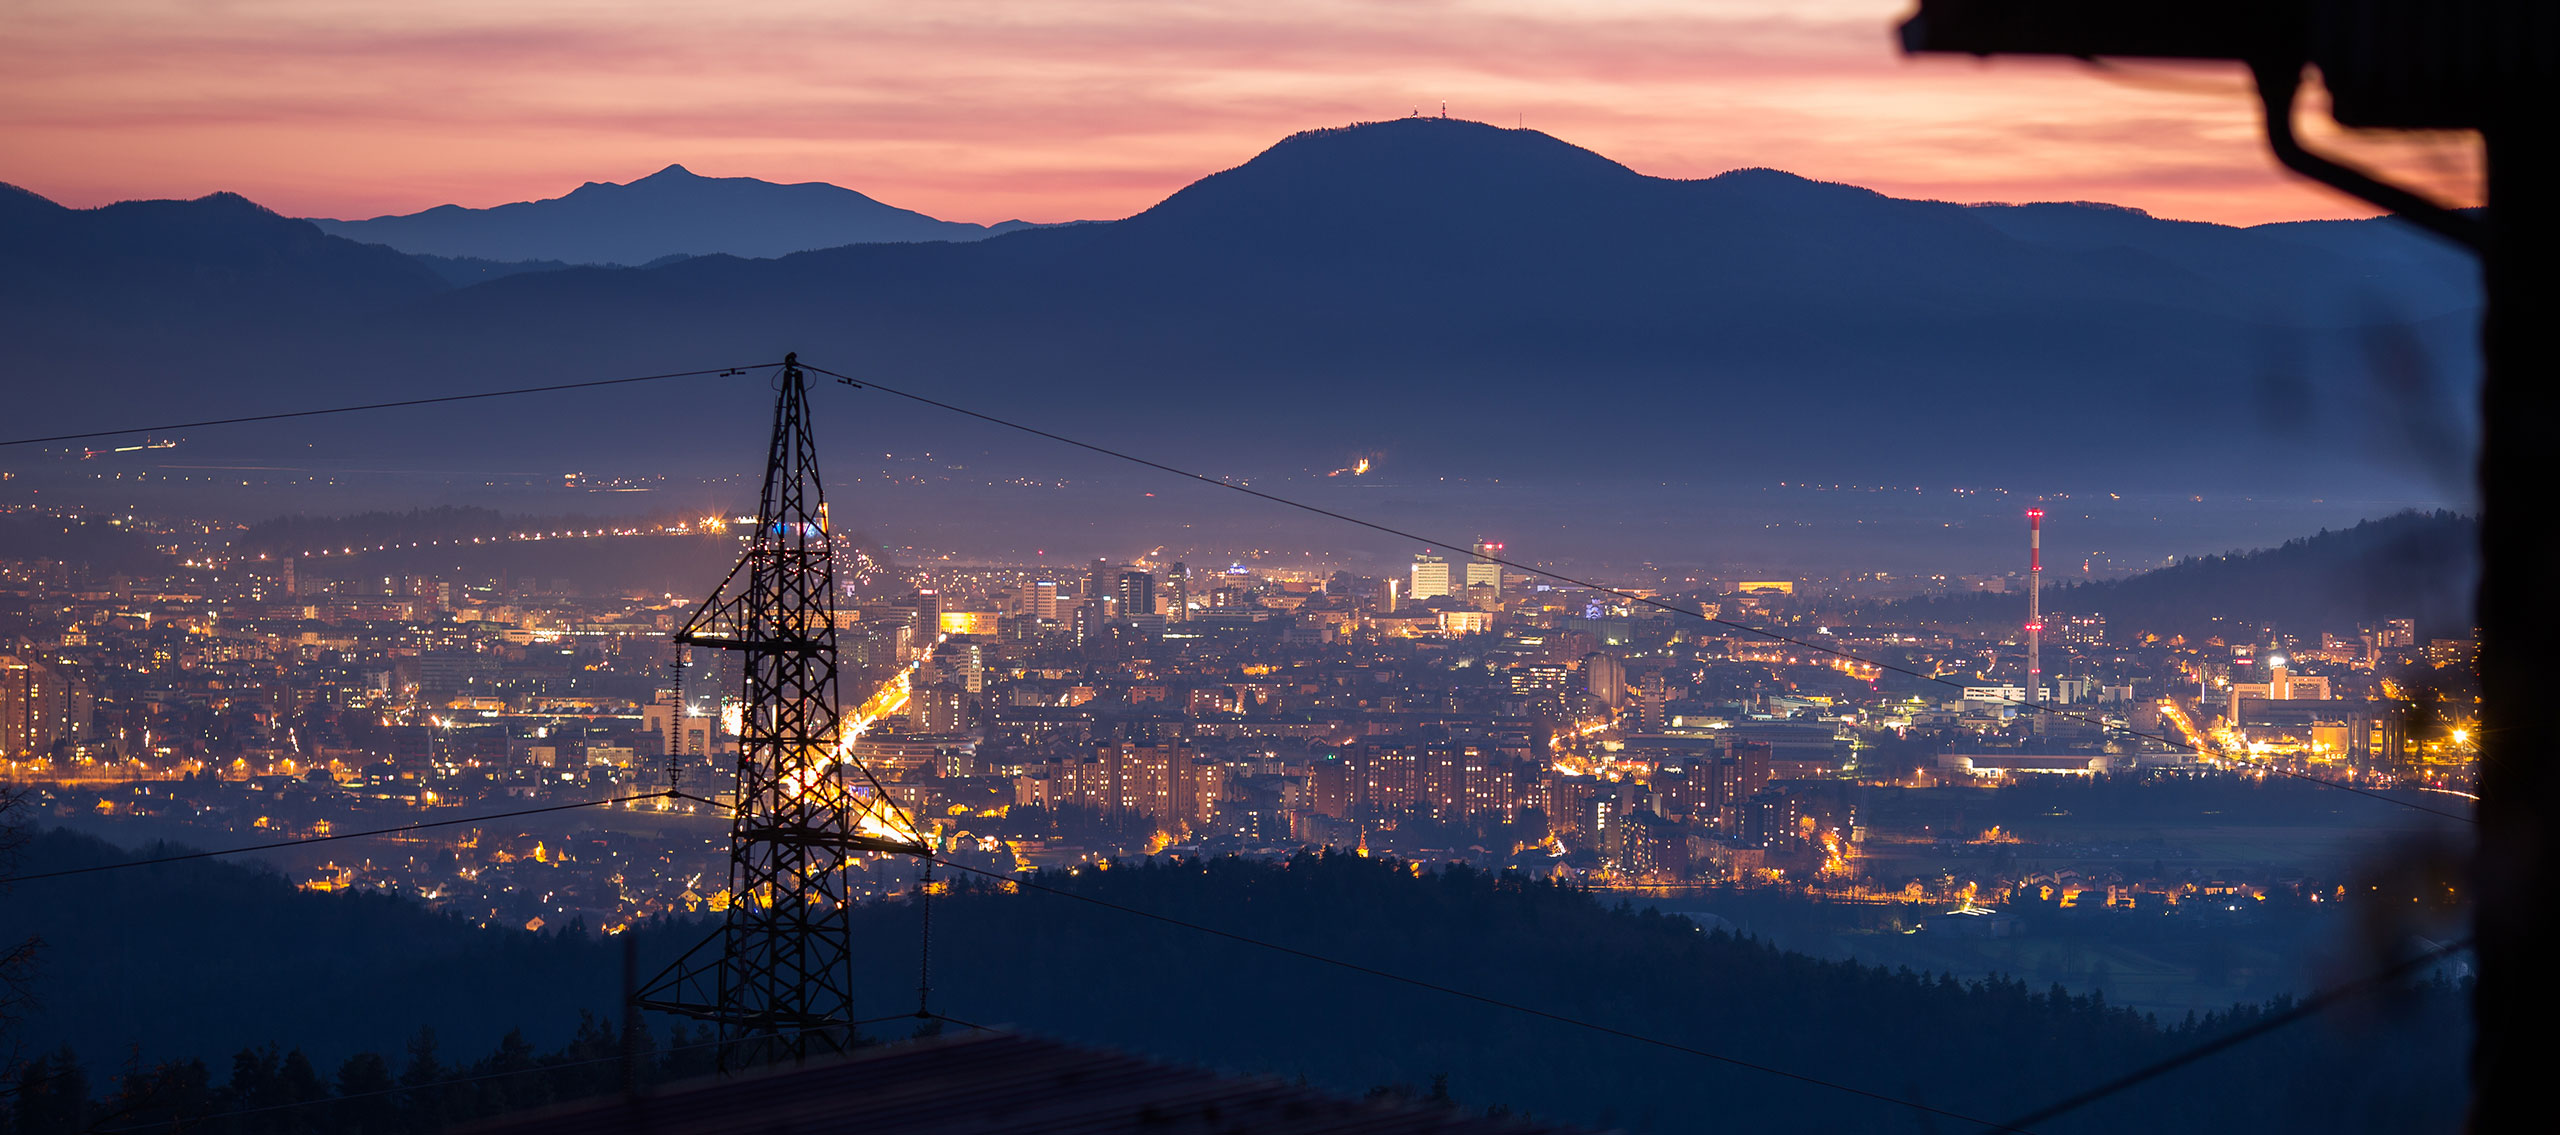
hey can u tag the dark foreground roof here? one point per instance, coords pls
(998, 1083)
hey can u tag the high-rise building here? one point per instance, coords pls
(1177, 593)
(2443, 652)
(1044, 600)
(1482, 570)
(1651, 696)
(1742, 772)
(1430, 576)
(1092, 617)
(1387, 774)
(1166, 783)
(1332, 788)
(1538, 678)
(942, 708)
(1137, 594)
(39, 706)
(1769, 817)
(1607, 678)
(928, 621)
(1651, 847)
(967, 661)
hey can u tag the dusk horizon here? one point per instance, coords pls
(1171, 567)
(1091, 112)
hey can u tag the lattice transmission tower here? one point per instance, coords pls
(777, 978)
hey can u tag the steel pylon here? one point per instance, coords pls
(777, 978)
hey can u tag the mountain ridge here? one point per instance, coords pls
(2422, 566)
(672, 212)
(1414, 286)
(216, 256)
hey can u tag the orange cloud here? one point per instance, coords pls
(990, 109)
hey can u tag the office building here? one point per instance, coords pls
(1482, 571)
(1430, 577)
(1137, 594)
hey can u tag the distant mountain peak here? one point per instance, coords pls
(1473, 296)
(673, 212)
(225, 199)
(1435, 139)
(1398, 168)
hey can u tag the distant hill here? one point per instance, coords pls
(673, 212)
(144, 264)
(128, 958)
(2414, 565)
(1473, 300)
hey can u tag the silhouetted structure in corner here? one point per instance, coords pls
(2419, 65)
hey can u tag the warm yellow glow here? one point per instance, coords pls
(969, 622)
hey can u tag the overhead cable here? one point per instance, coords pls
(121, 865)
(1482, 999)
(1628, 596)
(405, 402)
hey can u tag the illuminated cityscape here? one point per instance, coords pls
(1445, 569)
(1149, 707)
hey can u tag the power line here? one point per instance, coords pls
(1496, 1002)
(1804, 644)
(1560, 577)
(15, 879)
(2310, 1006)
(1452, 991)
(384, 405)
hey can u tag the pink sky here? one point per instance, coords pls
(984, 110)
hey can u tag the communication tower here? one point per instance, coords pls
(2035, 614)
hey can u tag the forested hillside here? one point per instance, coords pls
(201, 960)
(2415, 565)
